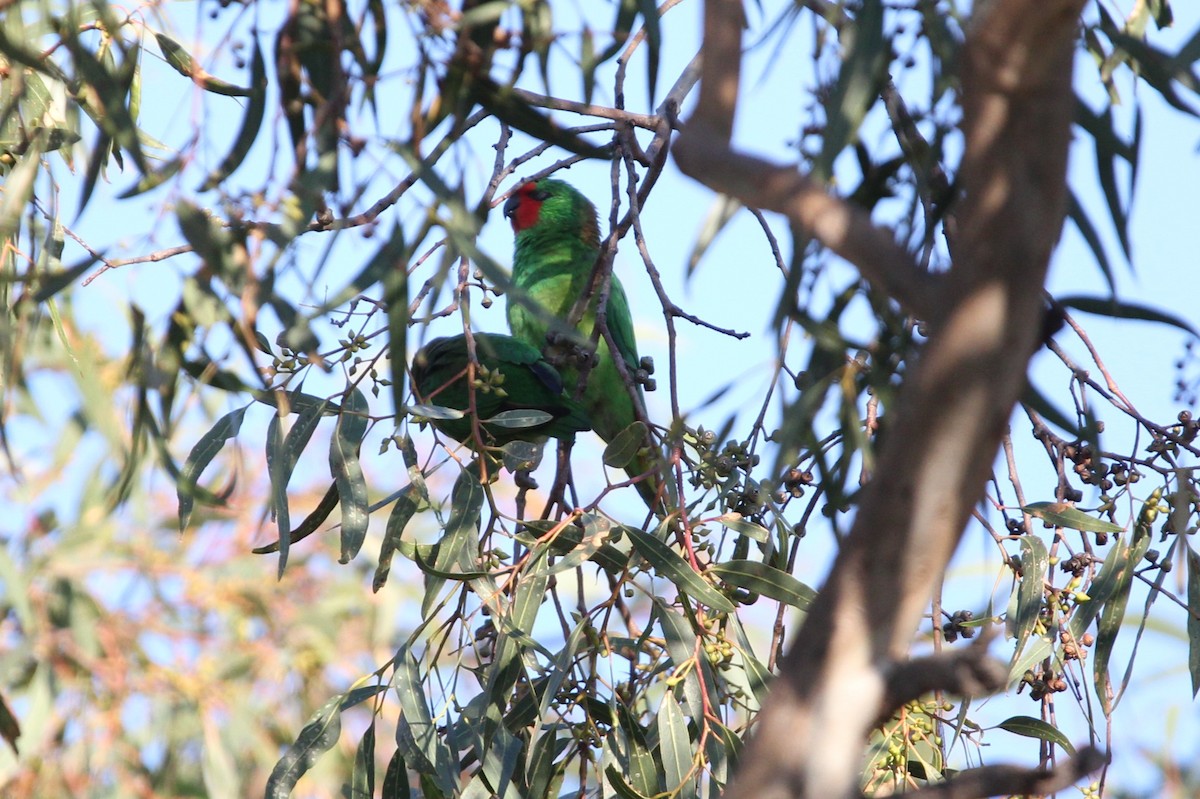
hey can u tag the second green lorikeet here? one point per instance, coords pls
(557, 245)
(511, 376)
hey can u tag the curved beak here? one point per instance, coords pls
(510, 205)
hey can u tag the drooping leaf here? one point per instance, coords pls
(743, 526)
(1061, 514)
(759, 578)
(675, 748)
(182, 62)
(1193, 623)
(416, 732)
(251, 123)
(520, 418)
(863, 71)
(402, 513)
(153, 179)
(624, 446)
(1035, 563)
(395, 779)
(1030, 727)
(317, 737)
(455, 548)
(362, 781)
(1118, 309)
(1078, 215)
(348, 475)
(668, 563)
(201, 455)
(279, 474)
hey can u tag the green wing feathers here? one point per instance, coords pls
(557, 244)
(510, 376)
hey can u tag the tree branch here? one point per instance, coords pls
(952, 409)
(703, 152)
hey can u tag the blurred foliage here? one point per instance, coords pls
(556, 649)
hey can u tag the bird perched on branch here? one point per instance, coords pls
(518, 395)
(557, 247)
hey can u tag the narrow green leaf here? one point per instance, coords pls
(742, 526)
(416, 733)
(571, 539)
(402, 513)
(201, 455)
(115, 118)
(1060, 514)
(51, 283)
(30, 57)
(587, 62)
(422, 411)
(1193, 623)
(760, 578)
(680, 636)
(669, 564)
(455, 549)
(97, 159)
(520, 417)
(317, 737)
(395, 296)
(745, 670)
(153, 179)
(395, 779)
(529, 596)
(1030, 727)
(183, 63)
(251, 123)
(500, 757)
(10, 728)
(348, 475)
(279, 474)
(362, 781)
(650, 24)
(863, 71)
(624, 446)
(1112, 611)
(542, 775)
(1086, 229)
(633, 751)
(1035, 562)
(301, 432)
(1118, 309)
(620, 785)
(597, 531)
(1157, 69)
(1109, 147)
(675, 748)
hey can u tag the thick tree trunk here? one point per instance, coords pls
(847, 667)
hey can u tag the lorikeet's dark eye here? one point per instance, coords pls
(539, 195)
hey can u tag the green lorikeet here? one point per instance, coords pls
(557, 245)
(511, 376)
